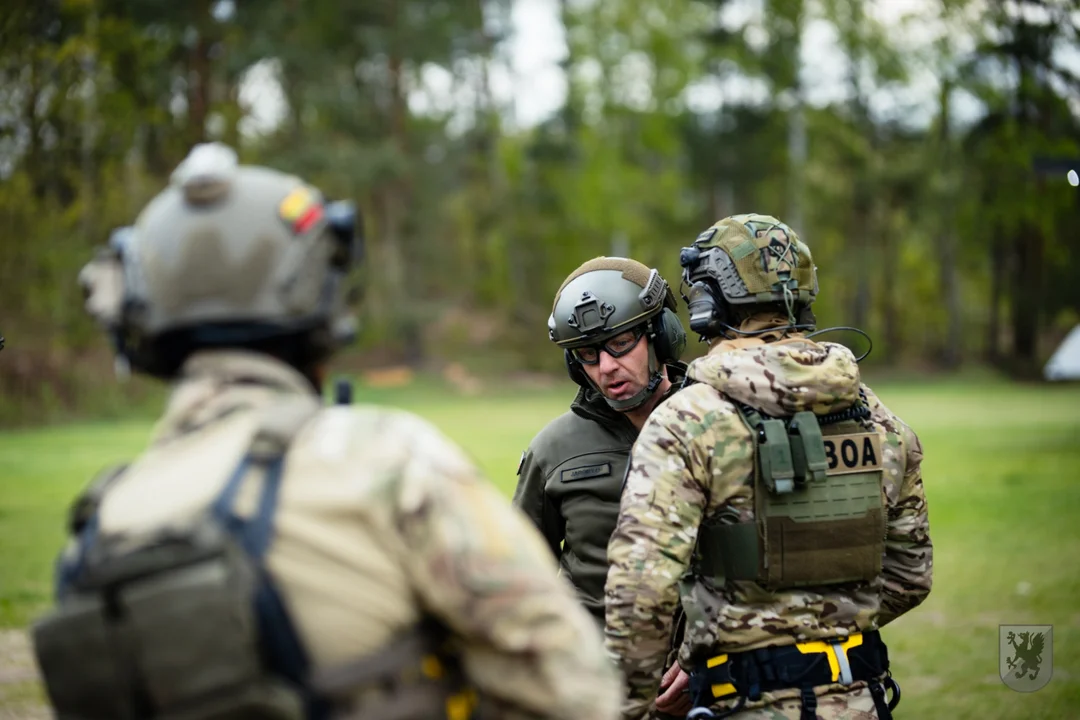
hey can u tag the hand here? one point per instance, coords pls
(674, 698)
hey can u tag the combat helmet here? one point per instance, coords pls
(745, 263)
(228, 255)
(605, 297)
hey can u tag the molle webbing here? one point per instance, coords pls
(820, 517)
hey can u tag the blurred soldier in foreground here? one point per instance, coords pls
(267, 557)
(615, 320)
(777, 495)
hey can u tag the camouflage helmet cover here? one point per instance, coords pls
(604, 297)
(760, 260)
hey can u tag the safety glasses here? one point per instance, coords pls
(615, 347)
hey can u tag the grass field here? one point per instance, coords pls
(1002, 473)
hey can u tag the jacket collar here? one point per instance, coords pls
(213, 384)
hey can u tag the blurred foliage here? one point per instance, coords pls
(938, 239)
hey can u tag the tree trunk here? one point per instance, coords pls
(796, 164)
(950, 293)
(890, 251)
(723, 201)
(35, 166)
(395, 199)
(89, 132)
(946, 240)
(997, 282)
(860, 265)
(199, 80)
(397, 190)
(1026, 298)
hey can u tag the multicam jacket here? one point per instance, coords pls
(381, 521)
(695, 459)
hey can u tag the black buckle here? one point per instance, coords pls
(702, 680)
(809, 702)
(894, 686)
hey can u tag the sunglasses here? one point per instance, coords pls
(615, 347)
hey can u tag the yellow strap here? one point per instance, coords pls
(431, 667)
(461, 706)
(720, 689)
(820, 646)
(806, 648)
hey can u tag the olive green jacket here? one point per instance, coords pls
(570, 481)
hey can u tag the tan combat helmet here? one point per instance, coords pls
(605, 297)
(227, 255)
(746, 262)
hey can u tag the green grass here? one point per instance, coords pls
(1002, 473)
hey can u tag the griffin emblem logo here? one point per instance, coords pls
(1026, 661)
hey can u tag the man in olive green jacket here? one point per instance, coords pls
(615, 320)
(570, 478)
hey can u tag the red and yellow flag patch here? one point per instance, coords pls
(301, 209)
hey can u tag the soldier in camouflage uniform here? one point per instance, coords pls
(268, 557)
(776, 495)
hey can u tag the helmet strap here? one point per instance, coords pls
(789, 304)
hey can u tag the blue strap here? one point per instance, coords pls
(259, 531)
(285, 654)
(68, 570)
(222, 507)
(255, 533)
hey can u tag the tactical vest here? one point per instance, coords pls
(818, 505)
(187, 624)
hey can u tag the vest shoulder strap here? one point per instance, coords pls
(279, 424)
(86, 504)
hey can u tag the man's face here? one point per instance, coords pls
(622, 377)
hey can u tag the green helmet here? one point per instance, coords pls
(607, 296)
(227, 256)
(744, 262)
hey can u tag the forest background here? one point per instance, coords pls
(930, 182)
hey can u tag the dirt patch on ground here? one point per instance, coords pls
(20, 692)
(16, 658)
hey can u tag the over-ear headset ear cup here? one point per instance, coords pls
(573, 368)
(670, 341)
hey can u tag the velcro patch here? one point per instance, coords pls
(301, 210)
(706, 236)
(585, 472)
(854, 453)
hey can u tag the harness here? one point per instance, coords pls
(187, 623)
(746, 675)
(819, 521)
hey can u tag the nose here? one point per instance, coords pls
(608, 364)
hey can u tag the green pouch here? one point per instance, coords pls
(807, 448)
(774, 453)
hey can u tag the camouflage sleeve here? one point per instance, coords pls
(480, 567)
(649, 551)
(909, 554)
(531, 498)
